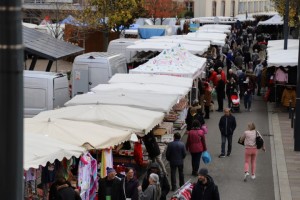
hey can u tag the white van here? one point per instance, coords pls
(44, 91)
(119, 46)
(92, 69)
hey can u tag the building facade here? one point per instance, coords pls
(229, 8)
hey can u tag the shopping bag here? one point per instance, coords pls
(259, 141)
(206, 157)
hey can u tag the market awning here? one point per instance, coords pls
(45, 46)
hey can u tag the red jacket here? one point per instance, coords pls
(213, 78)
(196, 141)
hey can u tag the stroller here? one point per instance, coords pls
(235, 99)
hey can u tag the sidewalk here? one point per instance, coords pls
(285, 161)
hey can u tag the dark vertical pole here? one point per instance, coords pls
(11, 101)
(297, 121)
(286, 24)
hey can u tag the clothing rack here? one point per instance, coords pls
(182, 187)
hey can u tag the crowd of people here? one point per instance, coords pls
(234, 69)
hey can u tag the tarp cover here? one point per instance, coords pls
(275, 20)
(176, 61)
(155, 102)
(121, 117)
(152, 79)
(277, 56)
(77, 133)
(151, 88)
(40, 149)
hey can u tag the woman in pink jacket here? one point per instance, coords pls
(249, 138)
(195, 144)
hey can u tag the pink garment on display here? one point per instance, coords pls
(281, 76)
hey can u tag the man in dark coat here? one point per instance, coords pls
(163, 180)
(153, 150)
(220, 89)
(110, 186)
(65, 191)
(175, 154)
(129, 185)
(205, 188)
(227, 125)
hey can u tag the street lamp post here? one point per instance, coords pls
(297, 124)
(11, 101)
(286, 24)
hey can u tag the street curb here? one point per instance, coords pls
(282, 188)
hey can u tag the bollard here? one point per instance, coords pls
(292, 118)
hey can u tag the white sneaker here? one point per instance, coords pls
(253, 176)
(246, 176)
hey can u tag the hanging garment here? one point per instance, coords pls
(87, 176)
(281, 76)
(106, 161)
(138, 153)
(287, 96)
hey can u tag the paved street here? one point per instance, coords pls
(228, 172)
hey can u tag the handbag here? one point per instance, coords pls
(206, 158)
(241, 141)
(259, 141)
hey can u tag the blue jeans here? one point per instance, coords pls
(248, 101)
(229, 139)
(173, 175)
(196, 158)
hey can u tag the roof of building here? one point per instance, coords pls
(46, 46)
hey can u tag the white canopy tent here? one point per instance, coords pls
(217, 26)
(275, 20)
(277, 56)
(175, 62)
(279, 44)
(155, 102)
(40, 149)
(150, 88)
(209, 30)
(121, 117)
(152, 79)
(283, 58)
(214, 38)
(77, 133)
(159, 46)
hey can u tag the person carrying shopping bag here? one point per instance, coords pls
(196, 145)
(249, 138)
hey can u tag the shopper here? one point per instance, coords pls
(249, 90)
(193, 114)
(205, 188)
(153, 190)
(164, 183)
(130, 185)
(207, 99)
(196, 144)
(64, 191)
(220, 89)
(153, 150)
(227, 125)
(110, 186)
(175, 154)
(249, 138)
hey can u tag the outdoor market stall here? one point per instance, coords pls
(137, 120)
(282, 70)
(155, 102)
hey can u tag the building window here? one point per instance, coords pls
(214, 8)
(189, 6)
(223, 8)
(232, 13)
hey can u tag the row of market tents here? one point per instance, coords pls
(129, 105)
